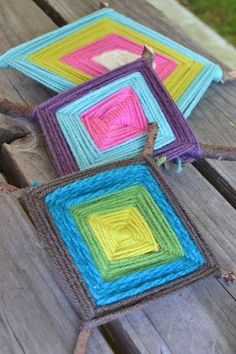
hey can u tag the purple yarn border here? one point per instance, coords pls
(185, 145)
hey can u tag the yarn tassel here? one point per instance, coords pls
(179, 165)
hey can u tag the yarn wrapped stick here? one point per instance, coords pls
(15, 109)
(207, 151)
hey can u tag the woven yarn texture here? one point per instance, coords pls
(103, 41)
(119, 237)
(106, 119)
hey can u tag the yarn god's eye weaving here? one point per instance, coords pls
(119, 237)
(106, 119)
(103, 41)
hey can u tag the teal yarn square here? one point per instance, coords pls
(60, 201)
(17, 57)
(82, 146)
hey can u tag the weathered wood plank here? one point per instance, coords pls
(196, 320)
(20, 22)
(11, 15)
(189, 322)
(213, 215)
(28, 151)
(2, 179)
(214, 119)
(35, 315)
(26, 160)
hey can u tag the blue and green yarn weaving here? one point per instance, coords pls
(119, 236)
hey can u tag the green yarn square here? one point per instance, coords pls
(168, 246)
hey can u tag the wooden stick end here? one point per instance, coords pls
(148, 53)
(103, 4)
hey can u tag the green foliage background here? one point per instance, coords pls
(218, 14)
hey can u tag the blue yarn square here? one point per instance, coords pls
(61, 200)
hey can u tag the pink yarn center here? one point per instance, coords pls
(116, 119)
(110, 52)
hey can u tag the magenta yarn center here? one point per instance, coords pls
(110, 52)
(116, 119)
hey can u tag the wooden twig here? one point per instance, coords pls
(229, 277)
(6, 187)
(15, 109)
(217, 152)
(231, 75)
(82, 341)
(148, 53)
(151, 138)
(103, 4)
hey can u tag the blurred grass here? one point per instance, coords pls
(218, 14)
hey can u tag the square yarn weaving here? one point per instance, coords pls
(104, 40)
(106, 119)
(119, 237)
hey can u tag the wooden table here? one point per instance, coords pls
(36, 315)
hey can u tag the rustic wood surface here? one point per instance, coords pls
(35, 315)
(200, 319)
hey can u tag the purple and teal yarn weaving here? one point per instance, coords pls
(106, 119)
(119, 236)
(104, 40)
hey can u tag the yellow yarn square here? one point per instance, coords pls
(49, 57)
(123, 234)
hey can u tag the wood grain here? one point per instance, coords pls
(35, 314)
(25, 160)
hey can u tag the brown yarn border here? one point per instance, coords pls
(91, 314)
